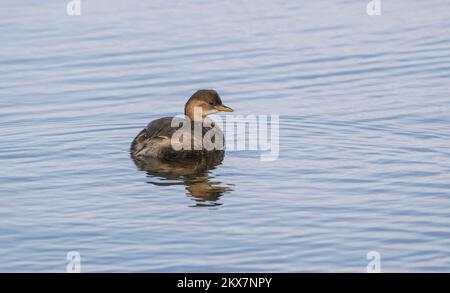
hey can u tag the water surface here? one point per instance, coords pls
(364, 159)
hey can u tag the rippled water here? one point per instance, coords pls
(364, 159)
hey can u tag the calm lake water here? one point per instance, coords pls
(364, 162)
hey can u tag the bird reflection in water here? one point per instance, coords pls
(195, 176)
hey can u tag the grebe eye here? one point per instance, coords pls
(211, 103)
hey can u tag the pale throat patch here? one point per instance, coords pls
(199, 114)
(209, 112)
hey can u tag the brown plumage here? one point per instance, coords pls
(155, 141)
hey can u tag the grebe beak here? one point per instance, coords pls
(223, 108)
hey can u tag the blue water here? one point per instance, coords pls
(364, 160)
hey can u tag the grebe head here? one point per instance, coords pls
(203, 103)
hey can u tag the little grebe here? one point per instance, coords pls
(156, 140)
